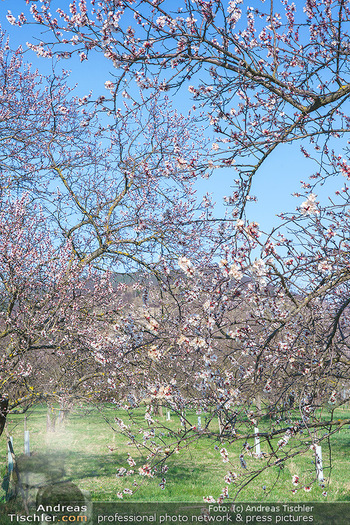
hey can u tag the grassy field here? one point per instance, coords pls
(87, 452)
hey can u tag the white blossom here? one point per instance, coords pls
(109, 84)
(309, 207)
(186, 266)
(235, 272)
(324, 266)
(11, 18)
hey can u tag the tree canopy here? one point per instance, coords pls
(221, 317)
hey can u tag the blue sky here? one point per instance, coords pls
(274, 183)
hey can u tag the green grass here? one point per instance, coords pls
(79, 452)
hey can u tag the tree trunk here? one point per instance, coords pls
(258, 402)
(3, 412)
(62, 416)
(50, 419)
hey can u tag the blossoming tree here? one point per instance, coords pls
(259, 340)
(264, 74)
(257, 346)
(76, 192)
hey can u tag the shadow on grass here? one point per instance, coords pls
(83, 465)
(60, 465)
